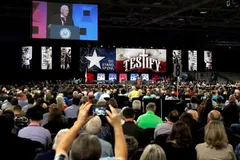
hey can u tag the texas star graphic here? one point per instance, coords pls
(94, 60)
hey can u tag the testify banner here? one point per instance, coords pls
(140, 60)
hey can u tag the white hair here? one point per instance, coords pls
(60, 101)
(93, 126)
(58, 137)
(153, 152)
(63, 7)
(136, 105)
(75, 94)
(60, 94)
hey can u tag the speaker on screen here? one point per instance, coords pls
(64, 21)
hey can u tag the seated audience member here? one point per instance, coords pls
(114, 103)
(179, 145)
(194, 114)
(192, 124)
(93, 127)
(47, 97)
(34, 131)
(171, 96)
(13, 147)
(204, 108)
(134, 93)
(55, 122)
(215, 115)
(20, 121)
(74, 95)
(106, 132)
(132, 146)
(7, 103)
(88, 146)
(41, 105)
(148, 95)
(131, 129)
(166, 128)
(46, 115)
(105, 95)
(61, 102)
(22, 101)
(137, 108)
(149, 119)
(153, 152)
(216, 144)
(49, 155)
(193, 103)
(71, 112)
(180, 106)
(231, 112)
(30, 103)
(84, 100)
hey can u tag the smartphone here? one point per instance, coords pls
(99, 110)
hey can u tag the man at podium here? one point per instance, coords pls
(62, 26)
(62, 18)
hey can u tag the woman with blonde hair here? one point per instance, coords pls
(153, 152)
(216, 143)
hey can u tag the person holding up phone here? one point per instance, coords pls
(82, 146)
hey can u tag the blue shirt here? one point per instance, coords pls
(72, 111)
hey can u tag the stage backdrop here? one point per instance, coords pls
(97, 59)
(140, 60)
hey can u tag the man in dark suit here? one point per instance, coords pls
(63, 18)
(131, 129)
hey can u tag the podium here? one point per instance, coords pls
(64, 32)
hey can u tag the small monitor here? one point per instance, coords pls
(145, 76)
(122, 77)
(112, 77)
(133, 77)
(101, 77)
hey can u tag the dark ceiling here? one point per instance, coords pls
(212, 20)
(154, 14)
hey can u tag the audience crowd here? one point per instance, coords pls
(48, 121)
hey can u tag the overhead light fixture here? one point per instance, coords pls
(157, 3)
(203, 12)
(181, 19)
(146, 8)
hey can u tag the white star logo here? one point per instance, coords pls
(94, 60)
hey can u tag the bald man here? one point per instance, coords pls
(215, 115)
(194, 114)
(63, 17)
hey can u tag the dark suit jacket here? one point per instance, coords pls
(131, 129)
(56, 19)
